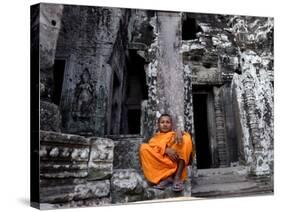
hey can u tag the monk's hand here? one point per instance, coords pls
(172, 154)
(178, 136)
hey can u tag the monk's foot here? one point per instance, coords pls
(164, 183)
(178, 185)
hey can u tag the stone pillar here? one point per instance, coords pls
(170, 74)
(220, 129)
(254, 93)
(50, 24)
(49, 28)
(188, 102)
(149, 108)
(90, 41)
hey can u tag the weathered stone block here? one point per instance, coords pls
(63, 155)
(127, 185)
(151, 193)
(100, 164)
(67, 193)
(50, 117)
(50, 23)
(80, 203)
(126, 151)
(61, 138)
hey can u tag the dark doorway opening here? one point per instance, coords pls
(190, 28)
(201, 131)
(134, 121)
(58, 72)
(136, 92)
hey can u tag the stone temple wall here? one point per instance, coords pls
(210, 58)
(90, 42)
(234, 55)
(253, 91)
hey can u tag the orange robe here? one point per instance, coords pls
(156, 165)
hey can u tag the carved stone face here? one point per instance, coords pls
(165, 124)
(85, 76)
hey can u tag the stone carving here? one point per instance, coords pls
(68, 166)
(84, 97)
(255, 104)
(188, 114)
(50, 117)
(100, 163)
(54, 152)
(75, 154)
(220, 126)
(63, 155)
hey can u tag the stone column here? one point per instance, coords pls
(220, 129)
(188, 101)
(50, 24)
(254, 93)
(49, 28)
(170, 75)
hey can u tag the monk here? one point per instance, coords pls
(164, 158)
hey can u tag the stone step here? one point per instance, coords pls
(154, 194)
(125, 136)
(227, 192)
(220, 175)
(231, 181)
(238, 170)
(223, 187)
(217, 180)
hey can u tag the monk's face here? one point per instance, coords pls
(165, 124)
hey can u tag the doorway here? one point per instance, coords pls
(136, 92)
(202, 142)
(58, 73)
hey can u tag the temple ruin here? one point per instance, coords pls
(106, 75)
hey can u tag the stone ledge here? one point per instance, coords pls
(67, 193)
(128, 185)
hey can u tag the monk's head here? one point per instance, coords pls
(165, 123)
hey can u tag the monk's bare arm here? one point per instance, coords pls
(178, 136)
(171, 154)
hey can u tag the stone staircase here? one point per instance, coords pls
(231, 181)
